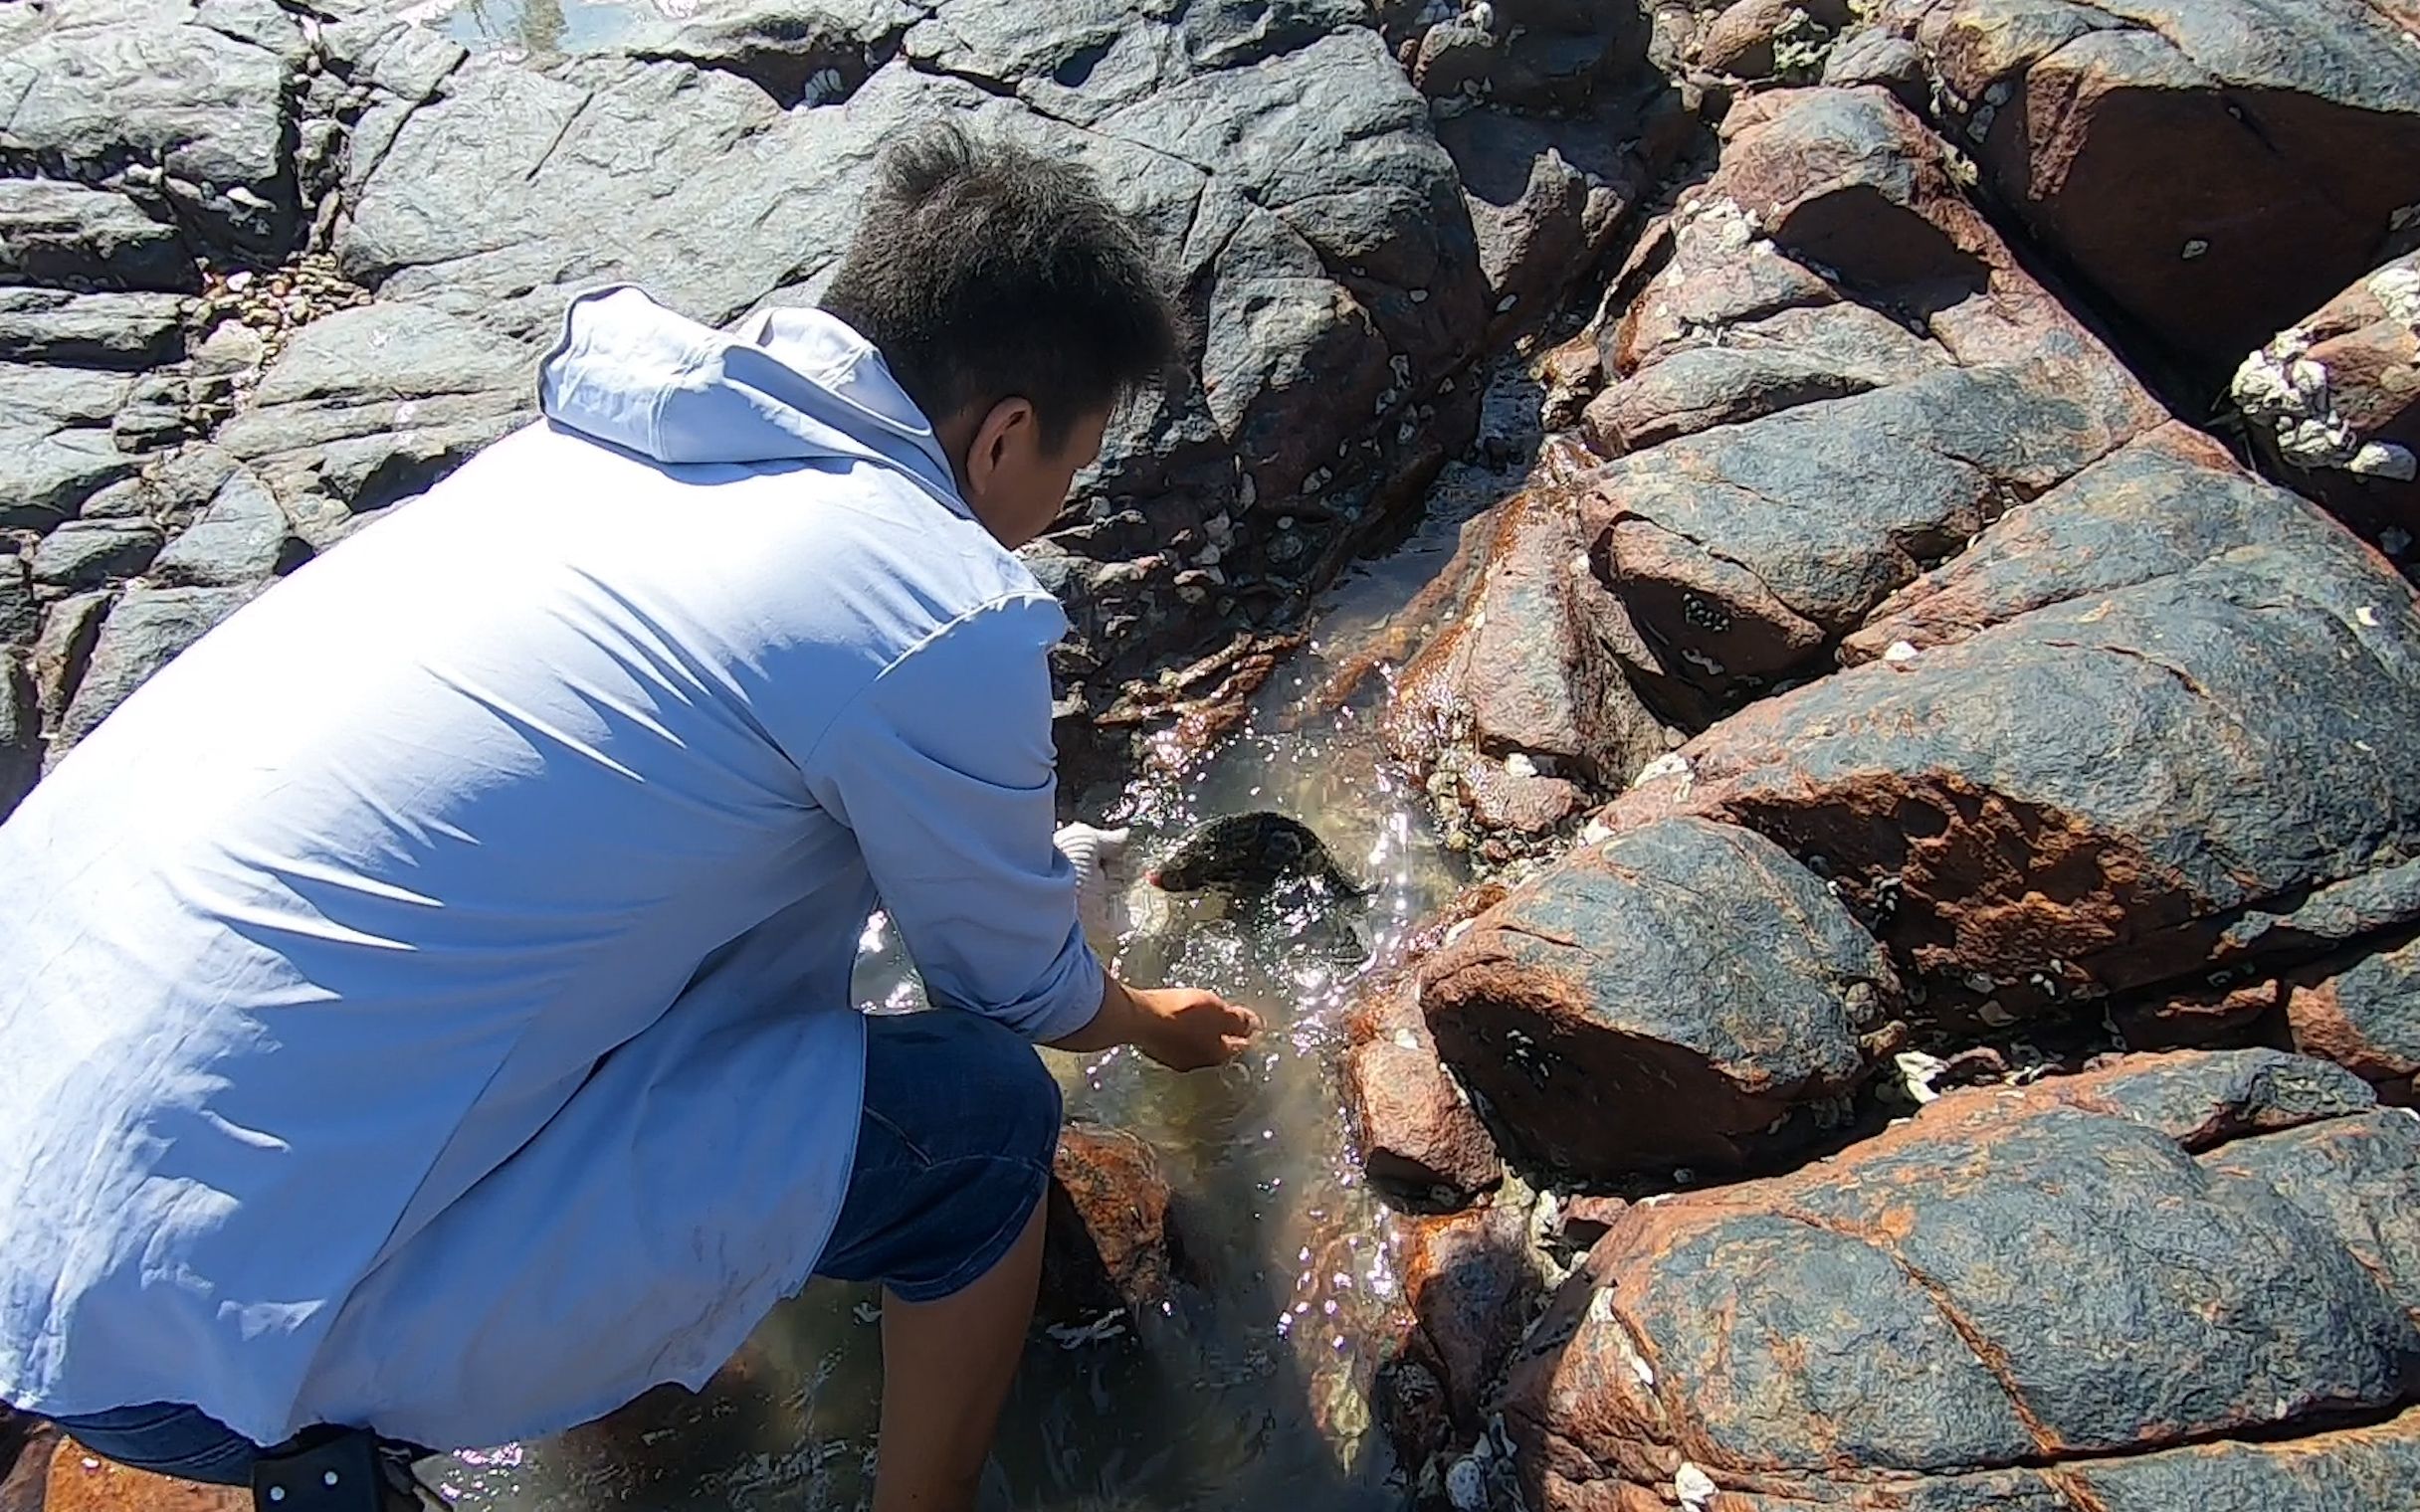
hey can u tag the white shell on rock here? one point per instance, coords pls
(1901, 651)
(1693, 1487)
(2385, 458)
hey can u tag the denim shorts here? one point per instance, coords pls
(953, 1153)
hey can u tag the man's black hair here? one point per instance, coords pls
(984, 270)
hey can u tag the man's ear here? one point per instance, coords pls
(1004, 429)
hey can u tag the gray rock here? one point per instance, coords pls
(371, 405)
(70, 630)
(1282, 165)
(20, 612)
(1993, 1303)
(146, 631)
(56, 445)
(1547, 198)
(105, 330)
(243, 537)
(72, 236)
(86, 553)
(800, 51)
(2113, 790)
(2358, 1177)
(20, 733)
(1677, 996)
(209, 109)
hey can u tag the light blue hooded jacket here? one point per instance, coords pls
(427, 999)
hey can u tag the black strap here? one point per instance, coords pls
(332, 1469)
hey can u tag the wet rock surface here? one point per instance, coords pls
(1682, 996)
(1109, 1242)
(1967, 1306)
(1418, 1135)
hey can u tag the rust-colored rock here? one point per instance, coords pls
(1421, 1143)
(26, 1446)
(79, 1482)
(1682, 995)
(2186, 749)
(1966, 1310)
(1109, 1240)
(1836, 376)
(2214, 168)
(1472, 1281)
(1522, 700)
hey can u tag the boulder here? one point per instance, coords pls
(20, 611)
(1108, 1242)
(1471, 1282)
(2181, 749)
(1518, 707)
(1836, 376)
(1420, 1141)
(2359, 1009)
(2358, 1177)
(2204, 1099)
(159, 103)
(68, 235)
(56, 444)
(26, 1446)
(104, 330)
(2363, 1015)
(83, 1482)
(2007, 1301)
(1770, 39)
(1285, 169)
(800, 51)
(1546, 60)
(70, 628)
(146, 629)
(1547, 198)
(2334, 401)
(88, 553)
(20, 731)
(2213, 169)
(1682, 996)
(242, 537)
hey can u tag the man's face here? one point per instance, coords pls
(1014, 481)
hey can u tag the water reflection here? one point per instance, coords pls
(1253, 1387)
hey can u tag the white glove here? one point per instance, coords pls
(1091, 853)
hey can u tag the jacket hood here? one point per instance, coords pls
(784, 385)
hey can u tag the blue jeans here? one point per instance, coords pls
(953, 1153)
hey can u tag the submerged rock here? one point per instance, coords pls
(1965, 1305)
(1684, 995)
(1470, 1283)
(1421, 1142)
(1110, 1244)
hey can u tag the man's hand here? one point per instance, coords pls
(1182, 1027)
(1185, 1030)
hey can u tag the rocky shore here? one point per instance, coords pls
(1940, 722)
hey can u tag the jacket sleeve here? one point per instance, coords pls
(944, 769)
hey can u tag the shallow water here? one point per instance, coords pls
(1253, 1390)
